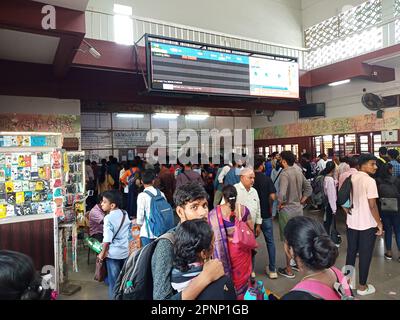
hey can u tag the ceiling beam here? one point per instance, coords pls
(69, 27)
(357, 67)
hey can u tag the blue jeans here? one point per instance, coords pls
(267, 228)
(391, 222)
(146, 241)
(114, 267)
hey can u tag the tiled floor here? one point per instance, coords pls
(384, 275)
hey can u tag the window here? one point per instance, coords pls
(123, 24)
(350, 144)
(364, 144)
(377, 141)
(328, 145)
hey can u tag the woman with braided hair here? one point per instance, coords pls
(19, 279)
(194, 244)
(236, 260)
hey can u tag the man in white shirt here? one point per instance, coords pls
(143, 207)
(363, 221)
(248, 196)
(321, 164)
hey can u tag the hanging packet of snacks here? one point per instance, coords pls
(134, 237)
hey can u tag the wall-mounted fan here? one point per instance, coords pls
(372, 101)
(376, 103)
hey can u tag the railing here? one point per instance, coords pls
(363, 29)
(100, 25)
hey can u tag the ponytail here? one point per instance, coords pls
(230, 195)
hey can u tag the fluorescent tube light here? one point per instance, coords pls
(130, 115)
(338, 83)
(198, 117)
(165, 115)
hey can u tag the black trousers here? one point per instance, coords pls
(328, 219)
(362, 242)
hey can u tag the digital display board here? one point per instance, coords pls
(178, 68)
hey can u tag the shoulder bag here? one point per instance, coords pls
(101, 270)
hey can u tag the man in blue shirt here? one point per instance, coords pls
(393, 155)
(268, 163)
(115, 241)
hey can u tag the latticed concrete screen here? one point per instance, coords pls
(361, 17)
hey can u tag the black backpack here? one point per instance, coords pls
(135, 281)
(344, 194)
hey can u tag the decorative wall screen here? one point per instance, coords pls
(397, 22)
(354, 45)
(361, 17)
(349, 34)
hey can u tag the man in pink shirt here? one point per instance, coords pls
(363, 221)
(353, 163)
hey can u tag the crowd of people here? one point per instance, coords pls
(201, 222)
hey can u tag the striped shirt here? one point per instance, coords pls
(396, 168)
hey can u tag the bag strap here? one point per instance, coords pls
(317, 289)
(120, 226)
(240, 211)
(145, 214)
(169, 236)
(279, 173)
(149, 193)
(188, 179)
(321, 290)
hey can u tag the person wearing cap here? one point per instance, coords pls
(363, 221)
(248, 197)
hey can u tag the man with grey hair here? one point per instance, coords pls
(248, 196)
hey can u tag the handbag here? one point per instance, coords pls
(243, 236)
(389, 204)
(101, 270)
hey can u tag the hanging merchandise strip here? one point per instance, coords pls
(61, 255)
(74, 247)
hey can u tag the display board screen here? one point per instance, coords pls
(178, 68)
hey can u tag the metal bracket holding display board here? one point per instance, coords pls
(246, 74)
(138, 65)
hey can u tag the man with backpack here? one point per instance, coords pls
(188, 175)
(229, 174)
(191, 203)
(154, 214)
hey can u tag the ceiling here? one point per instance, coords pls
(79, 5)
(27, 47)
(389, 61)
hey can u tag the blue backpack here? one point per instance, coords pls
(231, 177)
(160, 219)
